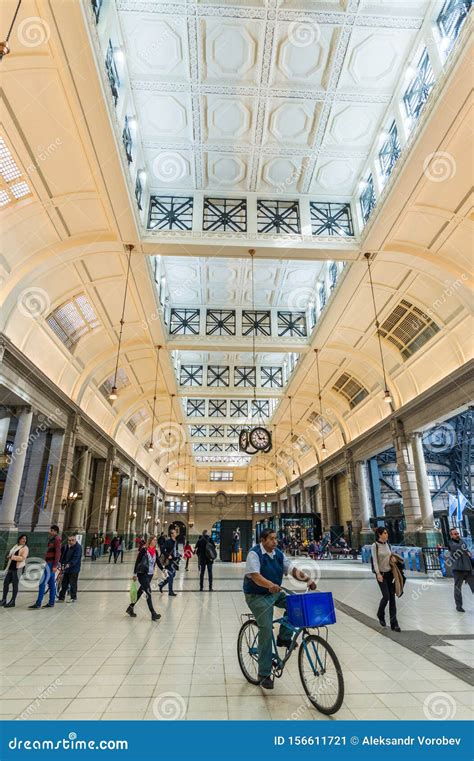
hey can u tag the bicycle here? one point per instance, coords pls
(316, 658)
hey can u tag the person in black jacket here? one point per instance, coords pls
(170, 551)
(145, 564)
(205, 549)
(461, 566)
(70, 561)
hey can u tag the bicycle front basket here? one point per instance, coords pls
(311, 609)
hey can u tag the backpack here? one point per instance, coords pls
(210, 551)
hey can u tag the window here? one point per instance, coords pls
(221, 475)
(419, 88)
(119, 381)
(138, 417)
(450, 21)
(112, 73)
(367, 198)
(220, 322)
(350, 389)
(255, 323)
(196, 407)
(190, 375)
(245, 376)
(332, 271)
(389, 152)
(278, 217)
(329, 218)
(127, 140)
(139, 192)
(177, 506)
(272, 377)
(408, 328)
(184, 322)
(291, 324)
(72, 320)
(217, 375)
(96, 6)
(170, 213)
(12, 185)
(225, 214)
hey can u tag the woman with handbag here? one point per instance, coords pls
(383, 569)
(15, 565)
(145, 564)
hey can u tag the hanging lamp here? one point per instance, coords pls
(321, 420)
(151, 444)
(114, 392)
(387, 397)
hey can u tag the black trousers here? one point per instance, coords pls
(13, 578)
(387, 587)
(203, 564)
(144, 579)
(69, 579)
(459, 578)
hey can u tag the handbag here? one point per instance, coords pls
(133, 592)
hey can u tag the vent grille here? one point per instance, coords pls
(353, 391)
(408, 328)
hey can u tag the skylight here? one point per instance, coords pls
(12, 185)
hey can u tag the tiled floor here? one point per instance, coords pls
(91, 661)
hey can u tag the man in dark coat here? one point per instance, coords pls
(205, 549)
(461, 566)
(71, 557)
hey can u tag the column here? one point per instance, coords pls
(354, 498)
(366, 534)
(93, 523)
(428, 535)
(323, 501)
(303, 497)
(4, 428)
(75, 517)
(331, 510)
(66, 466)
(408, 485)
(44, 517)
(124, 505)
(33, 482)
(15, 469)
(109, 468)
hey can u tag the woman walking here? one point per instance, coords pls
(144, 569)
(382, 567)
(187, 554)
(15, 565)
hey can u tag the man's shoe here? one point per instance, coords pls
(131, 612)
(34, 607)
(459, 610)
(396, 628)
(382, 622)
(10, 604)
(60, 599)
(2, 603)
(73, 599)
(201, 589)
(283, 642)
(211, 589)
(155, 616)
(160, 588)
(267, 682)
(48, 605)
(173, 594)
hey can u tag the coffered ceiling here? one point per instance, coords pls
(268, 97)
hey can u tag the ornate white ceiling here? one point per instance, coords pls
(268, 97)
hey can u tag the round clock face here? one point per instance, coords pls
(260, 439)
(243, 440)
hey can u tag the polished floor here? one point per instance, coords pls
(91, 661)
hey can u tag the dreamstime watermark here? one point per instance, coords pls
(36, 703)
(33, 32)
(33, 573)
(304, 32)
(170, 166)
(298, 572)
(33, 302)
(324, 683)
(450, 288)
(43, 154)
(439, 166)
(441, 438)
(169, 437)
(169, 706)
(439, 706)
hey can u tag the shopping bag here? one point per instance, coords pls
(133, 592)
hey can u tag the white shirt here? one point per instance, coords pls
(252, 564)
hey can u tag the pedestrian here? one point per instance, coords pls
(171, 563)
(145, 564)
(16, 560)
(120, 547)
(381, 566)
(461, 566)
(187, 553)
(161, 542)
(94, 547)
(206, 551)
(113, 549)
(48, 579)
(71, 557)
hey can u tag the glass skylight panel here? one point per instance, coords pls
(4, 198)
(8, 168)
(72, 320)
(20, 189)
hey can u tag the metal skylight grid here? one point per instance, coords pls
(20, 189)
(390, 151)
(8, 168)
(420, 87)
(451, 19)
(367, 198)
(328, 218)
(72, 320)
(170, 213)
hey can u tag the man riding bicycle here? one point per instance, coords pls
(265, 567)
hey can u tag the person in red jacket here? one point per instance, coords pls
(187, 553)
(48, 579)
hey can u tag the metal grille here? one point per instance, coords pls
(217, 375)
(112, 73)
(190, 375)
(96, 7)
(184, 322)
(272, 377)
(329, 218)
(170, 213)
(278, 217)
(238, 408)
(139, 192)
(255, 323)
(390, 151)
(196, 407)
(367, 198)
(220, 322)
(199, 430)
(225, 214)
(451, 19)
(260, 408)
(419, 88)
(292, 324)
(127, 140)
(350, 389)
(216, 431)
(217, 407)
(408, 328)
(245, 376)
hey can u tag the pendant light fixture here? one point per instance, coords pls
(291, 439)
(151, 444)
(113, 393)
(321, 420)
(387, 397)
(276, 457)
(258, 438)
(179, 452)
(4, 46)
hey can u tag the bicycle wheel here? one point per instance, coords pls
(247, 651)
(321, 674)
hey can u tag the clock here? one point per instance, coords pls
(260, 439)
(243, 441)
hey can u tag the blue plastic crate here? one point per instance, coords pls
(311, 609)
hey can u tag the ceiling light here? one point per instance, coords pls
(410, 72)
(362, 185)
(142, 175)
(387, 397)
(113, 394)
(445, 44)
(119, 55)
(383, 137)
(323, 447)
(132, 122)
(150, 446)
